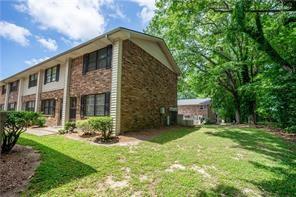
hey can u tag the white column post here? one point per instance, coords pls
(6, 97)
(116, 86)
(38, 90)
(19, 95)
(66, 96)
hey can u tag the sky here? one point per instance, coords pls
(34, 30)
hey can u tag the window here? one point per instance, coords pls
(97, 59)
(48, 107)
(32, 80)
(96, 105)
(201, 107)
(13, 86)
(52, 74)
(3, 89)
(11, 106)
(30, 106)
(1, 107)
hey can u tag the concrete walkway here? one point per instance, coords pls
(43, 131)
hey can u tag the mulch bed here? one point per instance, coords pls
(16, 169)
(125, 139)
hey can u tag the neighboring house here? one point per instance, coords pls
(128, 75)
(199, 110)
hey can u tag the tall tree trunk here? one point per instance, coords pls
(237, 108)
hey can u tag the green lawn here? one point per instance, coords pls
(184, 162)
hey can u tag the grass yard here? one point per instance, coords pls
(184, 162)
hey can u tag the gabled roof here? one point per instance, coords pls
(197, 101)
(106, 38)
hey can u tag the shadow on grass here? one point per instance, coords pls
(222, 190)
(272, 147)
(173, 134)
(55, 169)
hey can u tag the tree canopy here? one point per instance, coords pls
(241, 53)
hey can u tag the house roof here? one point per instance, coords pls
(197, 101)
(106, 38)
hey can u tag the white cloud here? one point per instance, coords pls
(35, 61)
(49, 43)
(78, 20)
(148, 7)
(15, 33)
(70, 43)
(115, 11)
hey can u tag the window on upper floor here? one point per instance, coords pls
(48, 107)
(32, 80)
(1, 107)
(3, 89)
(30, 106)
(52, 74)
(11, 106)
(13, 86)
(96, 104)
(98, 59)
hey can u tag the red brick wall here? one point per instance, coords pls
(26, 98)
(58, 96)
(147, 85)
(191, 110)
(93, 82)
(194, 110)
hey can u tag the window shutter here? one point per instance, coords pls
(85, 63)
(107, 104)
(45, 76)
(109, 56)
(82, 106)
(58, 72)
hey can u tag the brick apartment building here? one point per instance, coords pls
(199, 110)
(124, 74)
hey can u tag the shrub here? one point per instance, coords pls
(70, 126)
(103, 125)
(85, 127)
(31, 117)
(15, 124)
(62, 131)
(291, 129)
(40, 121)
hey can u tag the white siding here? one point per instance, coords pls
(57, 85)
(116, 85)
(153, 49)
(26, 89)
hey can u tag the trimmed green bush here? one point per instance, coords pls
(85, 127)
(40, 121)
(62, 131)
(70, 127)
(15, 124)
(32, 117)
(102, 125)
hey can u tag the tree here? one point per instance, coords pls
(228, 49)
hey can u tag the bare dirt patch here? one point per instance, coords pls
(175, 166)
(126, 139)
(16, 170)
